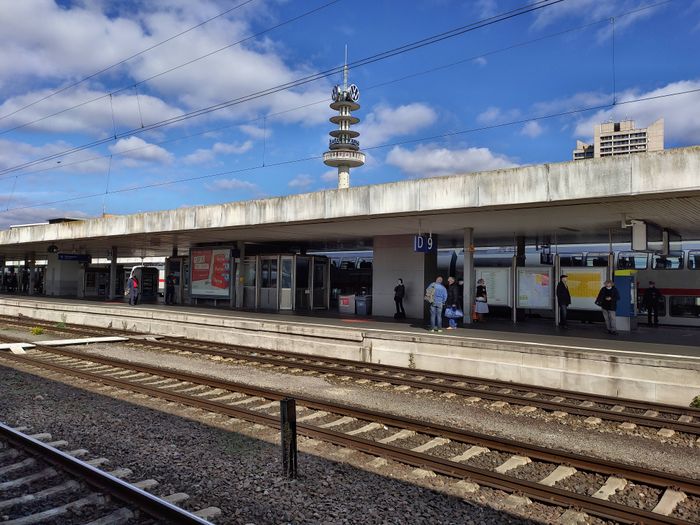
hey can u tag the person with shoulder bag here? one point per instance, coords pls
(436, 296)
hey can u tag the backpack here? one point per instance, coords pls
(429, 294)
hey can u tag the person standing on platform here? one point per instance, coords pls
(399, 293)
(563, 299)
(436, 295)
(481, 300)
(133, 285)
(452, 300)
(607, 299)
(170, 289)
(652, 298)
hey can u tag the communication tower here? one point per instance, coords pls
(343, 147)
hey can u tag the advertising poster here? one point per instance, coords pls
(535, 288)
(584, 285)
(211, 272)
(498, 285)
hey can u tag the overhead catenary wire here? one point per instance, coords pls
(175, 68)
(441, 136)
(367, 88)
(302, 81)
(124, 60)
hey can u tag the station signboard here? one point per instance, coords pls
(535, 288)
(424, 244)
(498, 285)
(211, 272)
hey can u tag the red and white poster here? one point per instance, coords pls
(211, 272)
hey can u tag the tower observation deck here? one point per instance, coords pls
(343, 147)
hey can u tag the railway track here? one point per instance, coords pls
(604, 489)
(39, 483)
(628, 413)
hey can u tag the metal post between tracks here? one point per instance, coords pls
(288, 429)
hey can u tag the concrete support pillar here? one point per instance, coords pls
(469, 275)
(520, 250)
(113, 274)
(394, 258)
(239, 275)
(32, 273)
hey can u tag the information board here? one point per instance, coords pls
(498, 283)
(211, 272)
(535, 288)
(584, 285)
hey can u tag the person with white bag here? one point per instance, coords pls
(481, 305)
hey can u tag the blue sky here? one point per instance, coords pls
(509, 71)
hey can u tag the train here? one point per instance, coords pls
(676, 275)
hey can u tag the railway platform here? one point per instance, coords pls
(654, 364)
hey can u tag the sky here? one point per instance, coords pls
(122, 107)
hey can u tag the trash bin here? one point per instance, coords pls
(363, 305)
(346, 304)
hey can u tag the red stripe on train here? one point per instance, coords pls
(676, 291)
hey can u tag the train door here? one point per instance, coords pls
(269, 283)
(286, 283)
(302, 282)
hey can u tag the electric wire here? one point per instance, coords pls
(124, 60)
(368, 88)
(140, 82)
(300, 82)
(441, 136)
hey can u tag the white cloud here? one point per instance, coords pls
(431, 161)
(594, 10)
(532, 129)
(480, 61)
(496, 115)
(136, 150)
(33, 215)
(231, 184)
(486, 8)
(203, 155)
(385, 122)
(682, 125)
(255, 131)
(301, 181)
(330, 176)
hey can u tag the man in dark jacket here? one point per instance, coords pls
(563, 299)
(399, 293)
(607, 299)
(452, 300)
(652, 298)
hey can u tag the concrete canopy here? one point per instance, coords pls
(577, 202)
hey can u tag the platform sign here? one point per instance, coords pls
(424, 244)
(535, 288)
(211, 272)
(498, 285)
(78, 257)
(584, 285)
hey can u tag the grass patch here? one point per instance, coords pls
(61, 325)
(37, 330)
(695, 403)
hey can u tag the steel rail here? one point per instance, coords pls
(630, 472)
(550, 495)
(115, 487)
(353, 369)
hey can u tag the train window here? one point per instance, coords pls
(684, 306)
(632, 261)
(574, 259)
(694, 260)
(672, 261)
(597, 259)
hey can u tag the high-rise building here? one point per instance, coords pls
(621, 138)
